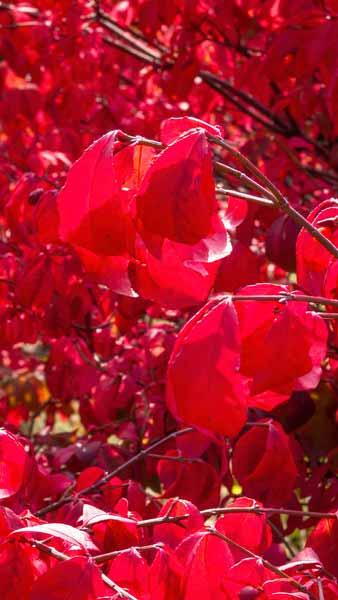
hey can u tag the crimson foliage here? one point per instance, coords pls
(168, 300)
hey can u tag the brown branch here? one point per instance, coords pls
(282, 538)
(98, 327)
(223, 169)
(108, 555)
(318, 173)
(242, 107)
(62, 557)
(129, 50)
(18, 24)
(237, 194)
(257, 510)
(139, 139)
(267, 564)
(135, 44)
(285, 297)
(26, 10)
(280, 201)
(249, 99)
(127, 36)
(233, 95)
(181, 459)
(106, 478)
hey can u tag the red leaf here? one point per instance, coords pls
(67, 533)
(173, 533)
(176, 199)
(247, 529)
(204, 386)
(196, 481)
(206, 559)
(74, 579)
(281, 242)
(94, 204)
(240, 268)
(264, 465)
(313, 259)
(236, 211)
(113, 532)
(174, 279)
(174, 127)
(285, 334)
(70, 370)
(165, 576)
(109, 270)
(19, 567)
(130, 571)
(245, 578)
(13, 460)
(324, 541)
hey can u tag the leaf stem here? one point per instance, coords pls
(108, 555)
(279, 200)
(244, 195)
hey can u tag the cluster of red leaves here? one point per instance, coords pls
(169, 349)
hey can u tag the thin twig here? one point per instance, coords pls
(282, 538)
(99, 558)
(27, 10)
(134, 52)
(103, 480)
(113, 27)
(250, 100)
(222, 169)
(280, 201)
(62, 557)
(237, 194)
(221, 89)
(267, 564)
(181, 459)
(257, 510)
(285, 297)
(269, 511)
(135, 44)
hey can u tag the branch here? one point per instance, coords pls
(207, 76)
(280, 201)
(281, 536)
(128, 36)
(267, 564)
(244, 109)
(237, 194)
(108, 555)
(261, 510)
(257, 510)
(26, 10)
(62, 557)
(136, 45)
(265, 187)
(229, 92)
(98, 484)
(134, 52)
(180, 459)
(285, 297)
